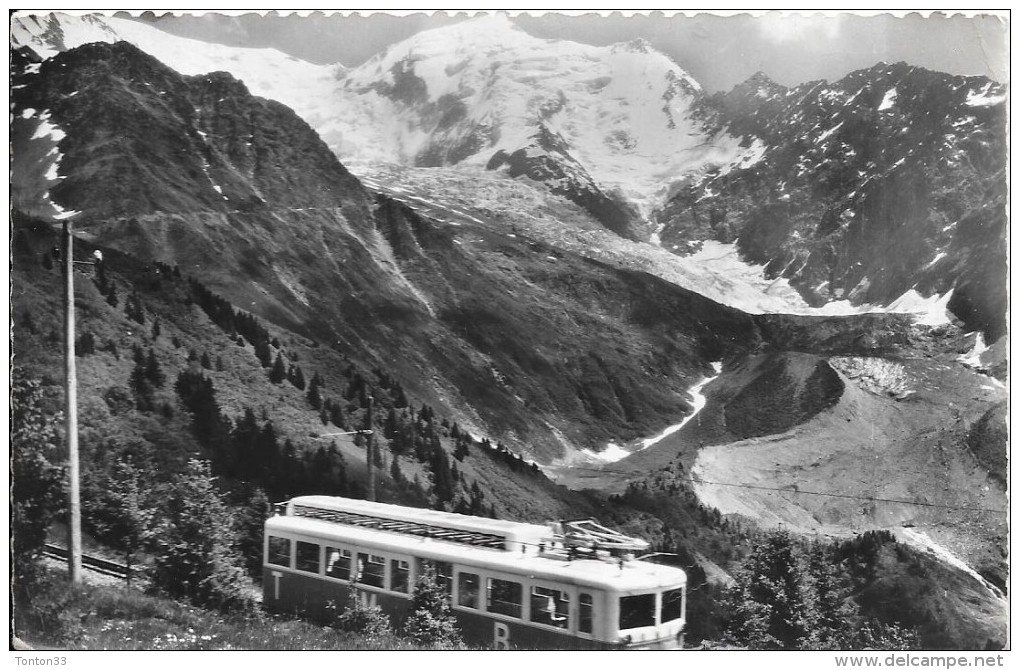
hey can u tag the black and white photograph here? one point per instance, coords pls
(449, 331)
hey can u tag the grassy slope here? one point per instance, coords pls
(93, 617)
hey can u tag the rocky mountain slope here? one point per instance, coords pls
(887, 159)
(541, 347)
(888, 184)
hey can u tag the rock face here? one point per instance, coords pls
(548, 159)
(140, 138)
(887, 182)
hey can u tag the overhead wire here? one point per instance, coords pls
(793, 488)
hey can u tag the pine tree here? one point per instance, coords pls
(153, 372)
(336, 415)
(133, 309)
(86, 345)
(198, 395)
(156, 330)
(140, 382)
(395, 472)
(127, 517)
(785, 599)
(204, 361)
(314, 398)
(244, 441)
(193, 556)
(279, 371)
(299, 378)
(263, 352)
(460, 450)
(431, 622)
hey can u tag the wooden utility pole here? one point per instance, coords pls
(370, 451)
(71, 412)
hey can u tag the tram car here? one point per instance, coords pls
(569, 585)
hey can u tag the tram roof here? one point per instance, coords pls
(511, 530)
(633, 576)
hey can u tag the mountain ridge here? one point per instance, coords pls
(886, 185)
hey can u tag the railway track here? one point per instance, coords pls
(100, 565)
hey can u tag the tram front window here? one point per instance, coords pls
(467, 590)
(279, 551)
(637, 611)
(585, 614)
(672, 605)
(307, 557)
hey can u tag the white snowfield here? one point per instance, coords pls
(623, 109)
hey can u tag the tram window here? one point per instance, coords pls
(400, 575)
(672, 605)
(584, 614)
(372, 570)
(467, 590)
(279, 551)
(307, 557)
(505, 597)
(637, 611)
(550, 607)
(444, 573)
(338, 563)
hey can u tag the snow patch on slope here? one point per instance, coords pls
(614, 452)
(888, 100)
(921, 541)
(698, 402)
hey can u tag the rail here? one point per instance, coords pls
(94, 563)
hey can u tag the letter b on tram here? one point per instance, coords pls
(500, 636)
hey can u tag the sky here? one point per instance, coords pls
(718, 50)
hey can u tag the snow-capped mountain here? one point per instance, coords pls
(883, 191)
(887, 187)
(265, 72)
(466, 92)
(608, 127)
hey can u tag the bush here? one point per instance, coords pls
(362, 618)
(52, 611)
(36, 483)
